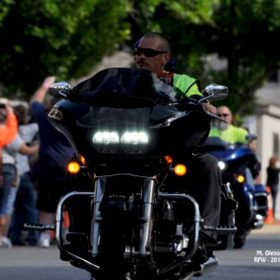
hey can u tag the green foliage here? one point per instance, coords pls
(245, 33)
(48, 37)
(4, 9)
(66, 39)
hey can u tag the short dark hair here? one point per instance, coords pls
(163, 38)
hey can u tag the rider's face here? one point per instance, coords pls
(153, 62)
(225, 114)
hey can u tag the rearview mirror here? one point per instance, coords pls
(60, 89)
(217, 92)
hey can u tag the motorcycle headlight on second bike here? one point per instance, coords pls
(222, 165)
(131, 142)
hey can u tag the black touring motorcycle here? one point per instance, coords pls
(127, 221)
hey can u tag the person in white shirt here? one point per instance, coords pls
(10, 182)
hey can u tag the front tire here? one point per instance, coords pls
(111, 248)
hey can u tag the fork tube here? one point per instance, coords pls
(96, 217)
(148, 199)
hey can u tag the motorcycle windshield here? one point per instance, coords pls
(111, 85)
(134, 90)
(232, 153)
(128, 112)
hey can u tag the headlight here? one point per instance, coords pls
(134, 142)
(106, 137)
(128, 141)
(135, 138)
(106, 141)
(222, 165)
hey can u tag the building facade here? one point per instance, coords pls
(265, 122)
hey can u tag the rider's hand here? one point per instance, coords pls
(210, 108)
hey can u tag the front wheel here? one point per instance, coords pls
(111, 247)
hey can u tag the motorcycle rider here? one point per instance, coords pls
(152, 52)
(225, 130)
(232, 134)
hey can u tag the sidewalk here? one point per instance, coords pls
(268, 228)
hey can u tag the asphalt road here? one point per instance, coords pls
(259, 259)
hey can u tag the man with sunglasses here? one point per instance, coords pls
(225, 130)
(152, 52)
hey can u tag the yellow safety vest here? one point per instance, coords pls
(185, 85)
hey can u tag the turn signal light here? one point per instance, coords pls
(168, 159)
(73, 167)
(240, 179)
(82, 159)
(180, 169)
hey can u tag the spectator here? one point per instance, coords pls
(272, 181)
(8, 123)
(10, 182)
(8, 129)
(25, 205)
(54, 154)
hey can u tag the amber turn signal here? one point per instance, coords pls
(73, 167)
(82, 159)
(240, 179)
(168, 159)
(180, 169)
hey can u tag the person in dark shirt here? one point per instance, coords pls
(54, 154)
(272, 181)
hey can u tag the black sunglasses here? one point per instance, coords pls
(222, 115)
(147, 52)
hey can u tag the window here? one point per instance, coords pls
(275, 144)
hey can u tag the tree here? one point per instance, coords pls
(42, 37)
(50, 37)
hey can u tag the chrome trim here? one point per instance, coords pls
(123, 174)
(197, 220)
(96, 216)
(59, 221)
(148, 200)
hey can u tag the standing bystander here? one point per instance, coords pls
(54, 154)
(8, 129)
(8, 123)
(272, 181)
(10, 178)
(25, 205)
